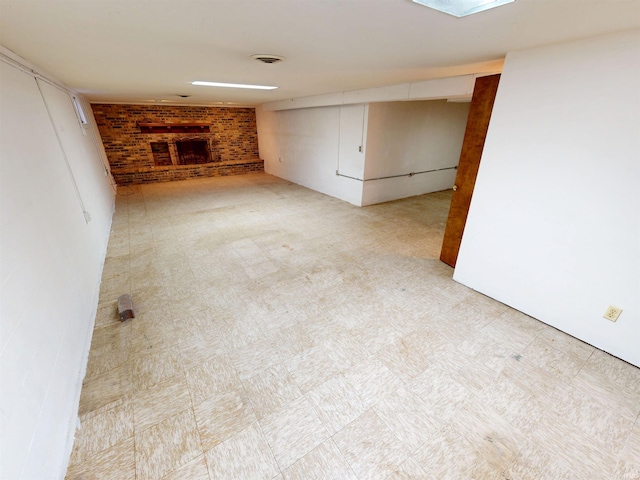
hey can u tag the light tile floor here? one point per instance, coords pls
(284, 334)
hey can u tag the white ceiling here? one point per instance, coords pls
(139, 50)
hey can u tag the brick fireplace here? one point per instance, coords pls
(157, 143)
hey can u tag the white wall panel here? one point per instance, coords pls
(50, 263)
(412, 137)
(554, 224)
(305, 150)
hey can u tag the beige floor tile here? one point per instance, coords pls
(293, 431)
(439, 390)
(109, 355)
(203, 322)
(494, 349)
(501, 333)
(408, 417)
(325, 462)
(222, 416)
(290, 341)
(337, 403)
(102, 431)
(535, 461)
(632, 448)
(370, 447)
(522, 410)
(345, 349)
(147, 284)
(149, 299)
(403, 359)
(114, 285)
(113, 335)
(555, 362)
(521, 322)
(115, 462)
(183, 285)
(270, 390)
(159, 402)
(572, 448)
(620, 398)
(476, 303)
(608, 366)
(351, 315)
(375, 334)
(210, 378)
(566, 343)
(531, 378)
(107, 314)
(410, 469)
(166, 446)
(626, 470)
(311, 368)
(191, 305)
(246, 455)
(200, 348)
(172, 261)
(272, 321)
(467, 316)
(104, 389)
(196, 469)
(323, 326)
(410, 318)
(152, 331)
(491, 436)
(470, 372)
(254, 358)
(151, 368)
(450, 455)
(593, 417)
(372, 380)
(433, 341)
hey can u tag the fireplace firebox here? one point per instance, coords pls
(193, 152)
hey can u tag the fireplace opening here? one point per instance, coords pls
(193, 152)
(161, 154)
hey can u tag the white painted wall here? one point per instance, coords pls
(50, 267)
(554, 224)
(303, 146)
(308, 145)
(411, 137)
(306, 140)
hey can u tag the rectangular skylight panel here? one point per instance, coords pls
(462, 8)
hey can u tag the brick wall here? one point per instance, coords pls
(233, 138)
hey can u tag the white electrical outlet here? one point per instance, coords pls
(612, 313)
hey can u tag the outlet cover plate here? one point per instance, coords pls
(612, 313)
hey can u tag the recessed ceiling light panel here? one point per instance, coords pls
(233, 85)
(462, 8)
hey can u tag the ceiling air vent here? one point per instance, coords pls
(264, 58)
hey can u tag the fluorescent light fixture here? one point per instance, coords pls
(462, 8)
(233, 85)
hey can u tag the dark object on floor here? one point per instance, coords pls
(125, 307)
